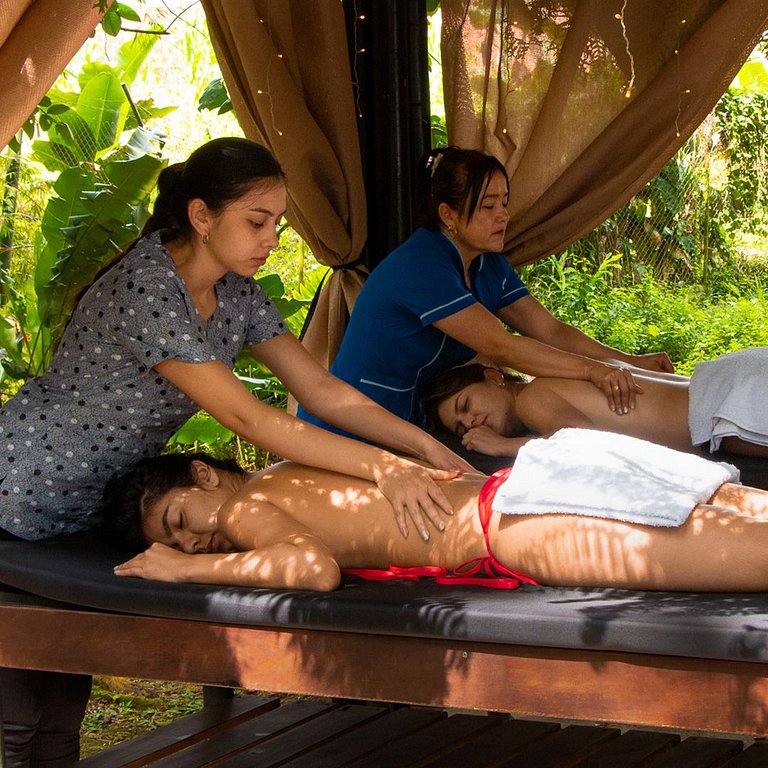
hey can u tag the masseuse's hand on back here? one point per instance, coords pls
(619, 387)
(411, 488)
(547, 347)
(413, 492)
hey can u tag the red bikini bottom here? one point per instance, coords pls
(496, 574)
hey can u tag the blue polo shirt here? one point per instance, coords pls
(391, 347)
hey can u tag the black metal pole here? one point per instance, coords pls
(388, 57)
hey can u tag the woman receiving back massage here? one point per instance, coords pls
(721, 405)
(582, 508)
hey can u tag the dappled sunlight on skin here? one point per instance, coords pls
(298, 563)
(565, 550)
(357, 523)
(750, 501)
(719, 548)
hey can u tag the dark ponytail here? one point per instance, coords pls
(218, 173)
(454, 176)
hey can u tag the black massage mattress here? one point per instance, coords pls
(78, 571)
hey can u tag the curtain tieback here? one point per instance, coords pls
(348, 265)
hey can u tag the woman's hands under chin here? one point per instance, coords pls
(489, 442)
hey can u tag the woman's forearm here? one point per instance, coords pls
(279, 566)
(541, 360)
(347, 408)
(282, 565)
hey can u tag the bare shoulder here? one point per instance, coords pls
(547, 404)
(533, 400)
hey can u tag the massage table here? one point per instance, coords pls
(677, 660)
(641, 659)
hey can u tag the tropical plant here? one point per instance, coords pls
(743, 121)
(107, 162)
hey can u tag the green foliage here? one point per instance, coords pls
(114, 15)
(120, 709)
(99, 203)
(743, 120)
(215, 97)
(685, 320)
(438, 131)
(673, 229)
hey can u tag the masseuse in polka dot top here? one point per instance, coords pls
(152, 341)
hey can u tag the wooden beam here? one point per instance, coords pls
(590, 686)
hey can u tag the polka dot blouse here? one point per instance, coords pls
(101, 406)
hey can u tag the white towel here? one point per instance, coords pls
(602, 474)
(727, 397)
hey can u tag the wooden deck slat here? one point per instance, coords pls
(246, 736)
(306, 737)
(698, 752)
(575, 741)
(497, 744)
(315, 734)
(430, 742)
(369, 737)
(632, 749)
(182, 733)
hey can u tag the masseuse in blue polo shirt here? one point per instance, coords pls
(437, 301)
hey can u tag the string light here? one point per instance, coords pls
(677, 74)
(631, 84)
(268, 89)
(358, 51)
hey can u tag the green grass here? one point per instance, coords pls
(120, 709)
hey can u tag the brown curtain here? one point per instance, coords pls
(585, 100)
(287, 70)
(37, 40)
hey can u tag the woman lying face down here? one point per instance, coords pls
(496, 413)
(292, 526)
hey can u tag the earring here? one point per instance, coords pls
(205, 239)
(452, 232)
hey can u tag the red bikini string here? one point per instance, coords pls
(497, 575)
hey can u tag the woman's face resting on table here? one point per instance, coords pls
(291, 526)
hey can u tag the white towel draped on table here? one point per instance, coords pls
(602, 474)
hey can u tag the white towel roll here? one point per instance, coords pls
(602, 474)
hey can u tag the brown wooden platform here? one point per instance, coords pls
(636, 690)
(435, 684)
(249, 732)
